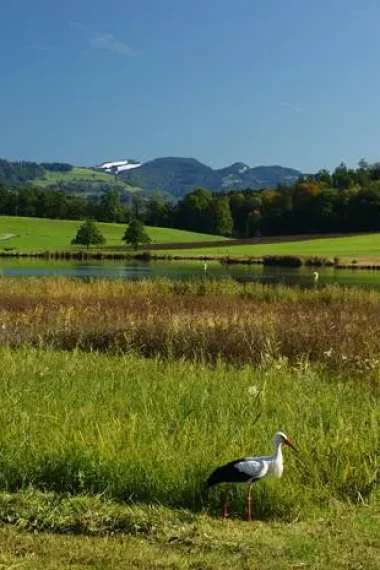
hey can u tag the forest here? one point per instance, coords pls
(345, 200)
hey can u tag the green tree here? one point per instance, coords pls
(221, 216)
(194, 211)
(135, 234)
(110, 209)
(88, 234)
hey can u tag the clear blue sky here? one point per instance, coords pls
(291, 82)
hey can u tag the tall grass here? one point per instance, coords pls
(151, 431)
(210, 320)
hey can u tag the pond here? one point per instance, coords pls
(186, 270)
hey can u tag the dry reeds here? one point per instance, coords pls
(241, 324)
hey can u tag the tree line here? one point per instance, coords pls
(344, 200)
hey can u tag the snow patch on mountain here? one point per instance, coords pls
(118, 166)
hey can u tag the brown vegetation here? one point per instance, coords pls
(238, 323)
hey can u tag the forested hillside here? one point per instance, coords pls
(345, 200)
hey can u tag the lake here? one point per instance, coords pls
(185, 270)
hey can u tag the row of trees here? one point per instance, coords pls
(343, 201)
(40, 203)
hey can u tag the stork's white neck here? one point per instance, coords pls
(277, 460)
(278, 450)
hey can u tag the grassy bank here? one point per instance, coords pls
(145, 431)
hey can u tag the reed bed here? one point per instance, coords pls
(208, 320)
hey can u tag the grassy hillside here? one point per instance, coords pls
(366, 246)
(82, 175)
(38, 233)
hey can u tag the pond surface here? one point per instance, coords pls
(186, 270)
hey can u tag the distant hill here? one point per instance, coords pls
(61, 176)
(172, 176)
(181, 175)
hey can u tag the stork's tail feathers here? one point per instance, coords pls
(215, 478)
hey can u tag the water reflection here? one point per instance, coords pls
(302, 277)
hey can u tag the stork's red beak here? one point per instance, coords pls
(288, 442)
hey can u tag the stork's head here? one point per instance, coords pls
(281, 438)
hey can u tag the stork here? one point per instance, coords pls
(251, 469)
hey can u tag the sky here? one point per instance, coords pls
(290, 82)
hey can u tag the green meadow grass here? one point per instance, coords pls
(39, 233)
(155, 538)
(78, 174)
(149, 432)
(360, 246)
(43, 234)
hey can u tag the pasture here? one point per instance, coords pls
(360, 247)
(78, 174)
(34, 234)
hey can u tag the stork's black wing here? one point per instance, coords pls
(238, 471)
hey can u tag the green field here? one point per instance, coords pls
(359, 246)
(120, 448)
(343, 539)
(78, 174)
(42, 234)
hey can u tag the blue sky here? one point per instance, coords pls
(291, 82)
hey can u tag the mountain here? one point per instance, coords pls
(62, 176)
(172, 176)
(181, 175)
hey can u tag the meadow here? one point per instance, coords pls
(34, 234)
(78, 174)
(119, 398)
(19, 234)
(362, 246)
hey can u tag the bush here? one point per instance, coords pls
(282, 260)
(317, 261)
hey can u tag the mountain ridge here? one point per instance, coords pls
(179, 175)
(174, 176)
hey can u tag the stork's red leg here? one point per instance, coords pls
(249, 510)
(224, 508)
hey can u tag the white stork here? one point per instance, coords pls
(251, 469)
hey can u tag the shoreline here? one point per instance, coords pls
(146, 255)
